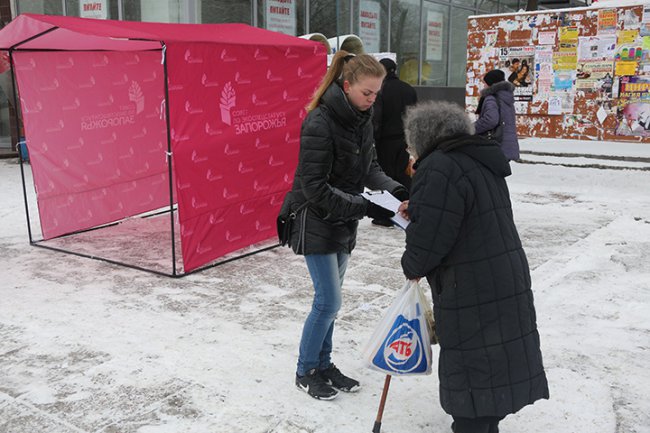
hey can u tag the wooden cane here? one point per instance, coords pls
(382, 402)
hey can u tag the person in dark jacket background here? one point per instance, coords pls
(390, 106)
(462, 238)
(336, 161)
(497, 104)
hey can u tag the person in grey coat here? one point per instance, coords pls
(497, 104)
(462, 238)
(336, 161)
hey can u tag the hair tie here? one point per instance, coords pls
(348, 57)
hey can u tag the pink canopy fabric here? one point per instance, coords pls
(94, 109)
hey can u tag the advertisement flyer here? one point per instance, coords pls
(369, 25)
(434, 35)
(607, 21)
(633, 117)
(596, 47)
(518, 64)
(595, 76)
(281, 16)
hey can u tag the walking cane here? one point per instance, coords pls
(382, 402)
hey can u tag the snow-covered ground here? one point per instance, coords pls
(86, 346)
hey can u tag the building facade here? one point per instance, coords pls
(429, 37)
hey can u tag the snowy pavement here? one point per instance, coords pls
(87, 346)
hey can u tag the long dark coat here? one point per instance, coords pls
(337, 159)
(463, 239)
(500, 93)
(395, 96)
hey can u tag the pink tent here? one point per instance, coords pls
(111, 109)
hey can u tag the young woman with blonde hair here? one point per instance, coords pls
(337, 160)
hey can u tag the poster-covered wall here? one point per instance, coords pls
(579, 73)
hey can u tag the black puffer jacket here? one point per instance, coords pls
(337, 159)
(463, 238)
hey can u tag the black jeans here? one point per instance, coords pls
(485, 424)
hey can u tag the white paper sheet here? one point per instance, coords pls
(387, 201)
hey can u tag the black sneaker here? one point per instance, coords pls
(314, 385)
(338, 380)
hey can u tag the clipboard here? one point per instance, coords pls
(387, 201)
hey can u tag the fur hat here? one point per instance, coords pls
(494, 76)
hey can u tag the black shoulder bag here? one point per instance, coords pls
(284, 223)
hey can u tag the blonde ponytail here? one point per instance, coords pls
(348, 67)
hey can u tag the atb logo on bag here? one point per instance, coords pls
(402, 350)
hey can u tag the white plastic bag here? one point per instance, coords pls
(401, 343)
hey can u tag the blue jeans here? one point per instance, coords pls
(327, 271)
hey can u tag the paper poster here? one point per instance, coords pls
(634, 107)
(369, 25)
(546, 38)
(563, 79)
(629, 52)
(596, 47)
(568, 34)
(625, 68)
(521, 107)
(565, 61)
(627, 36)
(554, 105)
(645, 21)
(560, 103)
(601, 114)
(491, 37)
(281, 16)
(633, 118)
(435, 22)
(607, 19)
(93, 9)
(518, 64)
(595, 76)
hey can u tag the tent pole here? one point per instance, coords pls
(20, 151)
(169, 157)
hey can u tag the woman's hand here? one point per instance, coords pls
(403, 210)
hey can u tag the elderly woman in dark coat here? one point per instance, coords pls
(497, 105)
(462, 238)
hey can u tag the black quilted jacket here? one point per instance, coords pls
(463, 239)
(337, 159)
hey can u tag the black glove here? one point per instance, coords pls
(377, 212)
(401, 193)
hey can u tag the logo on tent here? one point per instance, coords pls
(136, 96)
(227, 101)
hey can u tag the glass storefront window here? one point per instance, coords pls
(225, 11)
(405, 38)
(288, 17)
(72, 8)
(435, 54)
(47, 7)
(322, 18)
(162, 11)
(466, 3)
(510, 5)
(488, 6)
(458, 48)
(370, 21)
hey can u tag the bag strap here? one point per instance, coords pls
(294, 213)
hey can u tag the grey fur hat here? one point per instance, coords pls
(427, 122)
